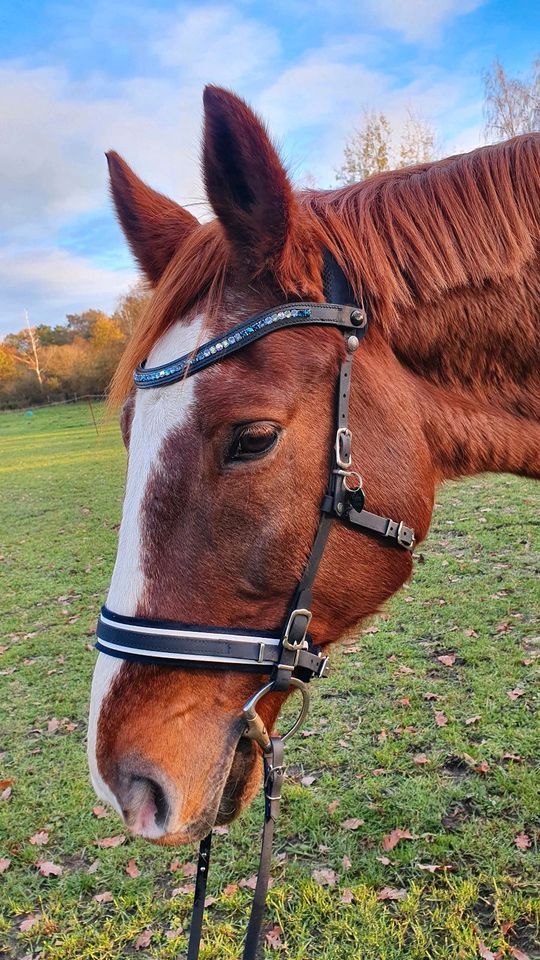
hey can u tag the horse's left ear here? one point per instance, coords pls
(245, 180)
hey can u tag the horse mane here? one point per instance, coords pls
(404, 239)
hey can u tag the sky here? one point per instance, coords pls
(79, 79)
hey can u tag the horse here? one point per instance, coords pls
(227, 469)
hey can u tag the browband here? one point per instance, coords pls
(288, 315)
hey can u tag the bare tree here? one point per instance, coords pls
(511, 105)
(417, 141)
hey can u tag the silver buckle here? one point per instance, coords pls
(342, 434)
(405, 536)
(302, 645)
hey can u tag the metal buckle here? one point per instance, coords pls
(405, 536)
(302, 644)
(255, 727)
(344, 456)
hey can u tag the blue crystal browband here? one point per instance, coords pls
(289, 315)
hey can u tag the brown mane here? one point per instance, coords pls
(404, 238)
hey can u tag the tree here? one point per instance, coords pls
(368, 150)
(372, 148)
(511, 105)
(53, 336)
(81, 324)
(129, 309)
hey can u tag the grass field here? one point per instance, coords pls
(398, 739)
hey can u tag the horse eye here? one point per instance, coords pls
(253, 441)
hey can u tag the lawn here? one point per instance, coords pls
(444, 750)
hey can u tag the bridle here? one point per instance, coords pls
(288, 657)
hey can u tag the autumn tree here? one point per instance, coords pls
(511, 104)
(129, 309)
(374, 147)
(81, 324)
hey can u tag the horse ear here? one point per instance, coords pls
(154, 226)
(245, 180)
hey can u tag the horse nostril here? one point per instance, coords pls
(160, 799)
(143, 799)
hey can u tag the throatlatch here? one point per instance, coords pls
(287, 657)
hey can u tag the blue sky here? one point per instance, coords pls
(76, 80)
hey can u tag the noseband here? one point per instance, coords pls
(288, 657)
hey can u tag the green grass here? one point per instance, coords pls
(61, 488)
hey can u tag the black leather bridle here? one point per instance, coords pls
(288, 657)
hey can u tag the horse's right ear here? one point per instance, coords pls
(154, 226)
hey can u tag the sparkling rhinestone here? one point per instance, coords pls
(212, 349)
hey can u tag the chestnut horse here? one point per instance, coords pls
(227, 469)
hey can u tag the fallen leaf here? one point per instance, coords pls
(391, 893)
(143, 940)
(249, 884)
(273, 938)
(332, 807)
(93, 866)
(518, 954)
(53, 725)
(230, 889)
(107, 842)
(325, 877)
(470, 633)
(384, 860)
(394, 837)
(346, 863)
(522, 841)
(472, 720)
(6, 794)
(4, 864)
(378, 771)
(405, 669)
(132, 869)
(432, 696)
(429, 867)
(448, 659)
(173, 934)
(347, 896)
(30, 922)
(440, 718)
(421, 758)
(515, 694)
(40, 838)
(4, 784)
(185, 888)
(105, 897)
(308, 780)
(513, 756)
(404, 702)
(503, 627)
(352, 823)
(99, 812)
(209, 902)
(49, 869)
(484, 952)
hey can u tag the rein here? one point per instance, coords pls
(288, 658)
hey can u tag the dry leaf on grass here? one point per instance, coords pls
(352, 823)
(308, 780)
(333, 805)
(31, 921)
(518, 954)
(522, 841)
(515, 694)
(325, 877)
(394, 837)
(143, 940)
(391, 893)
(347, 896)
(448, 659)
(4, 864)
(471, 720)
(99, 812)
(132, 869)
(49, 869)
(40, 838)
(421, 758)
(105, 897)
(107, 842)
(185, 888)
(273, 938)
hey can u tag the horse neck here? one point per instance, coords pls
(475, 366)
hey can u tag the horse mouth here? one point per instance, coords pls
(242, 782)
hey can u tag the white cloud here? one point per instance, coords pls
(419, 20)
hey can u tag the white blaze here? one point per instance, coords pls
(157, 413)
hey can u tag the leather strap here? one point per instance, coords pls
(197, 913)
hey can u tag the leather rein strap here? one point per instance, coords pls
(288, 658)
